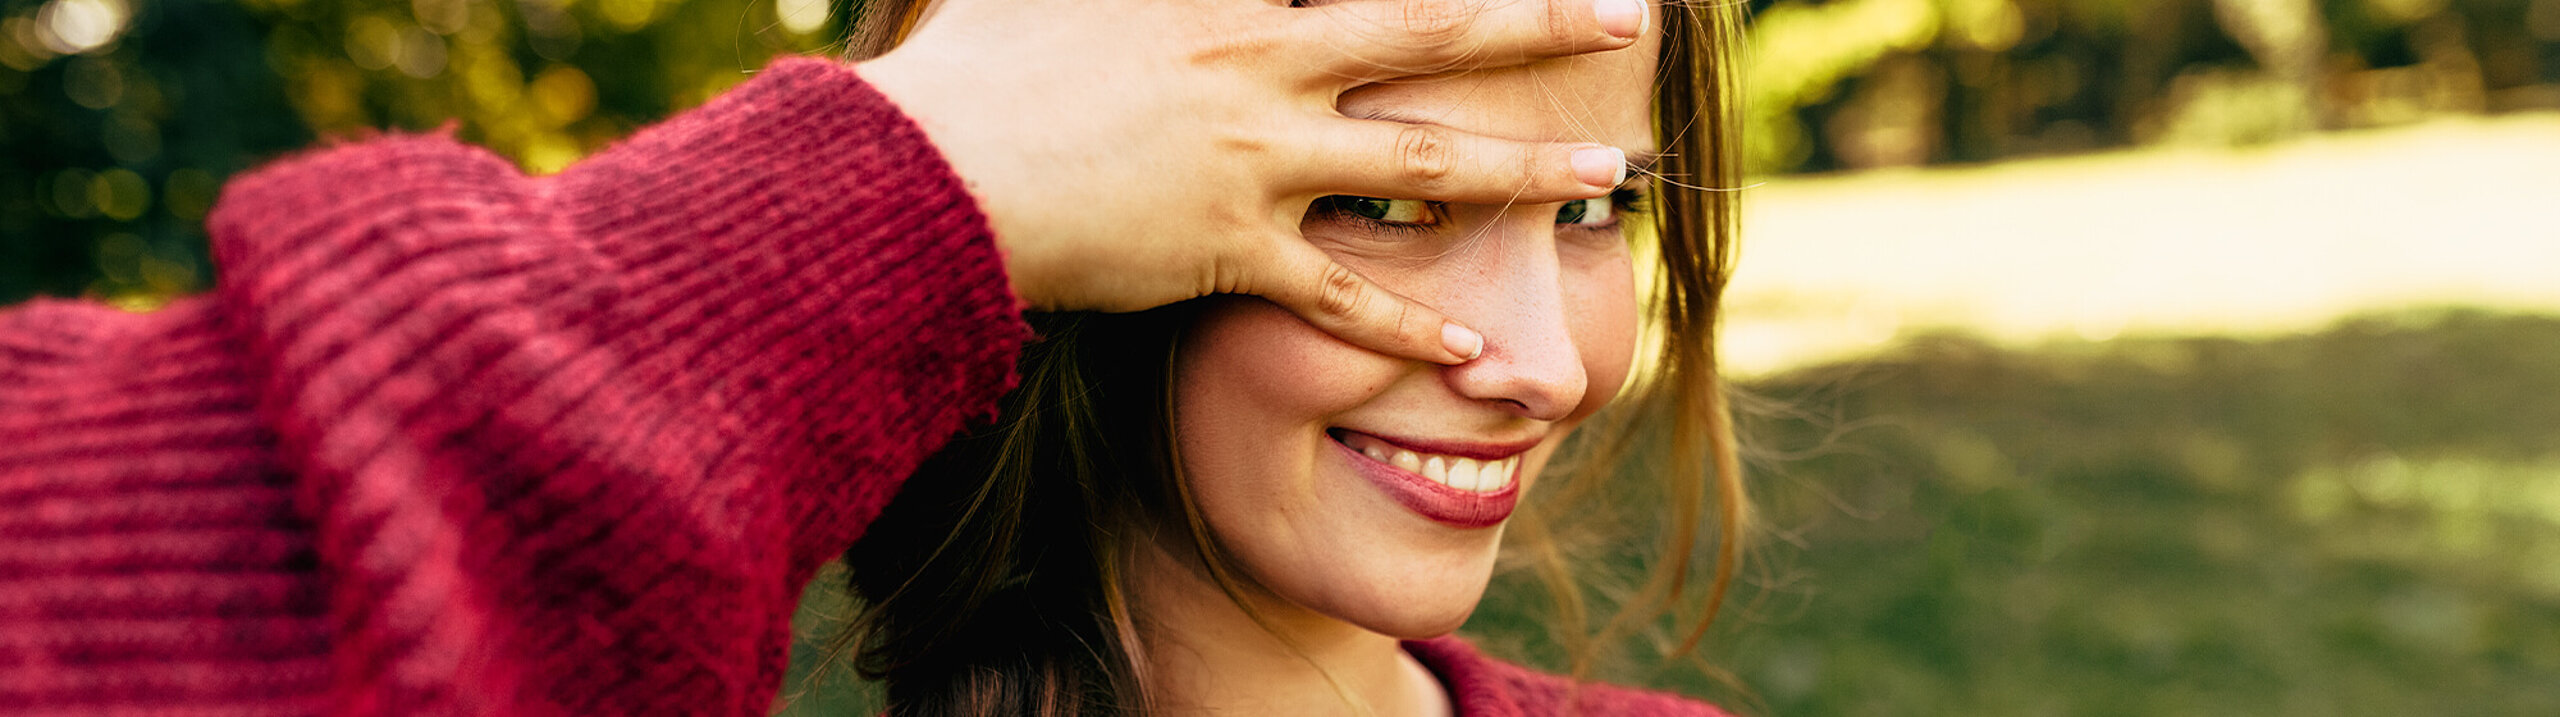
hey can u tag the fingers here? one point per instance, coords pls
(1422, 161)
(1343, 303)
(1385, 39)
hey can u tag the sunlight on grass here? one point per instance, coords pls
(2279, 239)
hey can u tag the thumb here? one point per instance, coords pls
(1343, 303)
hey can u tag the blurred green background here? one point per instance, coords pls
(2099, 357)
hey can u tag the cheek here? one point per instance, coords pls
(1246, 357)
(1254, 388)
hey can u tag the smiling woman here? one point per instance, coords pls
(451, 439)
(1216, 507)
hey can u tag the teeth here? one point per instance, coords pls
(1463, 472)
(1467, 474)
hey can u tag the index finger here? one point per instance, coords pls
(1380, 40)
(1413, 160)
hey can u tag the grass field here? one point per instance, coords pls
(2362, 520)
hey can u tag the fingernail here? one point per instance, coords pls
(1623, 18)
(1600, 166)
(1461, 340)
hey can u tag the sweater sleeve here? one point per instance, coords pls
(573, 444)
(1481, 686)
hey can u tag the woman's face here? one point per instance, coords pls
(1372, 489)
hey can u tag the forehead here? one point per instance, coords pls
(1602, 97)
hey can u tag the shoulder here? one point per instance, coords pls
(1482, 686)
(352, 187)
(351, 164)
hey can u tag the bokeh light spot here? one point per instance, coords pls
(20, 46)
(801, 17)
(628, 15)
(2543, 20)
(552, 31)
(549, 153)
(2406, 11)
(372, 42)
(444, 17)
(93, 83)
(71, 193)
(563, 94)
(120, 258)
(422, 53)
(120, 194)
(71, 27)
(494, 81)
(1993, 25)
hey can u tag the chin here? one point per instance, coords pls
(1317, 536)
(1422, 616)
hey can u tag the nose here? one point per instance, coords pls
(1516, 296)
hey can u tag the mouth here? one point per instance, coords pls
(1462, 485)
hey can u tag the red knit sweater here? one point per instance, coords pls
(447, 439)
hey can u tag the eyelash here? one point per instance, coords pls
(1623, 201)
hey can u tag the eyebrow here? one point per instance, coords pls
(1640, 162)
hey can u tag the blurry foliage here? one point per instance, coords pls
(1849, 84)
(123, 117)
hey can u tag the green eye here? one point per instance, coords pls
(1387, 211)
(1587, 212)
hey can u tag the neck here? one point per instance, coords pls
(1204, 653)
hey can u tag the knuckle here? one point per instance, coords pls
(1433, 23)
(1561, 21)
(1535, 172)
(1425, 153)
(1339, 293)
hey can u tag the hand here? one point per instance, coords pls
(1136, 153)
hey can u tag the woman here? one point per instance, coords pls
(1214, 508)
(446, 439)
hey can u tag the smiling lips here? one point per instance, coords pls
(1463, 486)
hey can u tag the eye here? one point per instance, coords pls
(1598, 212)
(1602, 212)
(1399, 212)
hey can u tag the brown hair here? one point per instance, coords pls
(993, 583)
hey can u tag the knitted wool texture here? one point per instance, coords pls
(447, 439)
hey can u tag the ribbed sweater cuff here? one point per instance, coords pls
(815, 226)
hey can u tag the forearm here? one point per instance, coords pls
(567, 443)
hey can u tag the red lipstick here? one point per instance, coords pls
(1435, 500)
